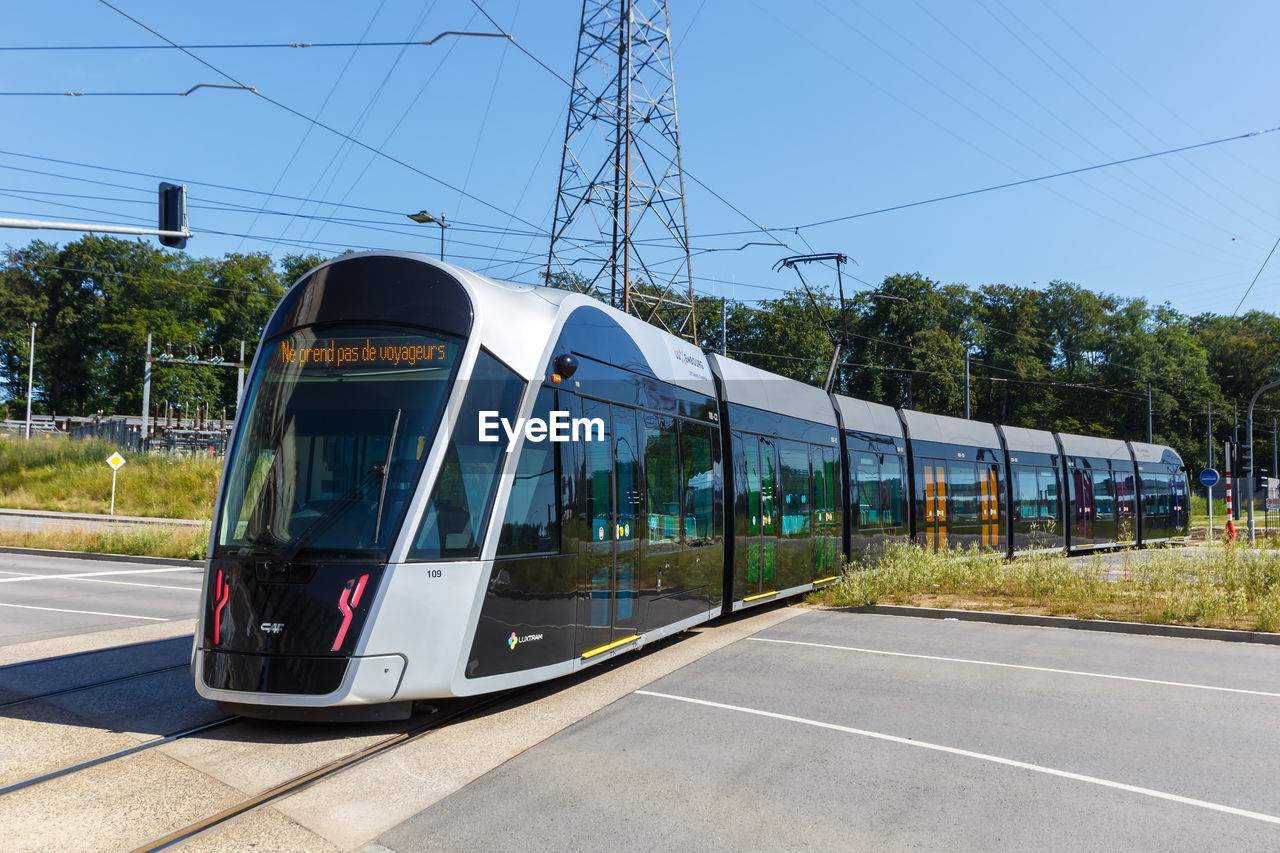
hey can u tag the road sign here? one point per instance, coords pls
(115, 460)
(1209, 477)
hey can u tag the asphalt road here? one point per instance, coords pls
(850, 731)
(43, 597)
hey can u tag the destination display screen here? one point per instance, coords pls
(380, 353)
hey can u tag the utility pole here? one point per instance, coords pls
(31, 373)
(966, 383)
(1208, 447)
(240, 379)
(724, 328)
(1208, 435)
(146, 391)
(1235, 439)
(1149, 413)
(1249, 430)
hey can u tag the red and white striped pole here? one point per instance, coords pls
(1230, 535)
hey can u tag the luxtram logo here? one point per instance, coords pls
(559, 427)
(513, 640)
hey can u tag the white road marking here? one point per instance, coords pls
(87, 612)
(122, 583)
(1021, 666)
(981, 756)
(98, 574)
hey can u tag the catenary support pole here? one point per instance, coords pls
(146, 391)
(31, 374)
(1148, 413)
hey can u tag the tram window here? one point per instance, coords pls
(867, 479)
(699, 493)
(1048, 489)
(662, 466)
(795, 488)
(454, 522)
(891, 489)
(963, 491)
(1026, 494)
(532, 522)
(752, 458)
(1104, 495)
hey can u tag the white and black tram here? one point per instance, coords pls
(444, 485)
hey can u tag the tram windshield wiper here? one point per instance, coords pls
(334, 511)
(386, 468)
(353, 496)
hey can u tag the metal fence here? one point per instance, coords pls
(128, 436)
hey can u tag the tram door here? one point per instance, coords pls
(762, 483)
(1083, 494)
(935, 505)
(609, 611)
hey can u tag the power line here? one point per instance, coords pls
(1009, 185)
(315, 121)
(296, 44)
(1255, 278)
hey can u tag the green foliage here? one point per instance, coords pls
(95, 301)
(1059, 358)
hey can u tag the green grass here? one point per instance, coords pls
(1216, 586)
(73, 476)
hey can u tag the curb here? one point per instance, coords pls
(110, 558)
(1183, 631)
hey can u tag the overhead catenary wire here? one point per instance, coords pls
(317, 122)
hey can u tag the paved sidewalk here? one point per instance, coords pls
(36, 519)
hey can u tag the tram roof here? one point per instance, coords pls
(863, 416)
(1102, 448)
(945, 430)
(1023, 440)
(1144, 452)
(750, 386)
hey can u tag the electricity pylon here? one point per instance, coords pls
(620, 229)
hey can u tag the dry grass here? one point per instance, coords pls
(72, 476)
(1217, 586)
(183, 543)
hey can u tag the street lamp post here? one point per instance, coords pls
(31, 374)
(423, 217)
(1249, 429)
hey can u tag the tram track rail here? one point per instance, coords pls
(117, 755)
(330, 768)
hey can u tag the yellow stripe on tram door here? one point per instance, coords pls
(602, 649)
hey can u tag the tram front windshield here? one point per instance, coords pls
(337, 424)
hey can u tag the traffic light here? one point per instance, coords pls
(1260, 481)
(1231, 459)
(173, 214)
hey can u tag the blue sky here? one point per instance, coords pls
(794, 113)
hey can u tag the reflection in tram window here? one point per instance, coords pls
(795, 488)
(1104, 496)
(532, 522)
(662, 466)
(453, 525)
(699, 486)
(964, 492)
